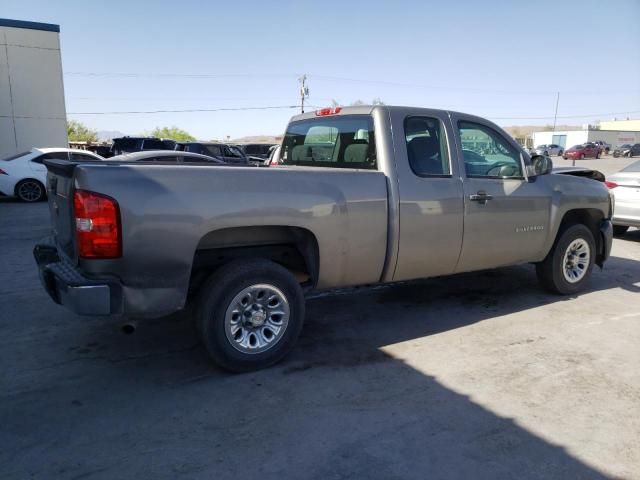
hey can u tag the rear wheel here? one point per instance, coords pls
(567, 267)
(620, 230)
(30, 190)
(250, 314)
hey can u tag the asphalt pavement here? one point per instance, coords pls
(478, 376)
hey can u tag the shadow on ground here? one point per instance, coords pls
(81, 400)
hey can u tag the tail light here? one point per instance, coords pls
(610, 185)
(98, 230)
(323, 112)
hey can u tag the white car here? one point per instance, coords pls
(24, 175)
(549, 150)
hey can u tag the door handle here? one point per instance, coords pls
(480, 197)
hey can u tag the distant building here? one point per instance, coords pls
(32, 108)
(615, 132)
(621, 125)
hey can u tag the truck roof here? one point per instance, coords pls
(368, 109)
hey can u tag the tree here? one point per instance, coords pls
(77, 132)
(173, 133)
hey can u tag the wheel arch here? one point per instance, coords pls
(591, 218)
(25, 179)
(295, 248)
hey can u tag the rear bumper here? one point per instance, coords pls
(67, 286)
(8, 185)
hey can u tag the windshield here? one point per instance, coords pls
(338, 142)
(626, 145)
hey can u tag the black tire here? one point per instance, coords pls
(218, 294)
(30, 191)
(560, 153)
(619, 230)
(551, 270)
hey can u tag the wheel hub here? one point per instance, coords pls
(576, 260)
(256, 318)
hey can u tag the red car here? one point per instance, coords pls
(578, 152)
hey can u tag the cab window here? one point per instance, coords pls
(488, 154)
(427, 147)
(338, 142)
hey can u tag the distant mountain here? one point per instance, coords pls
(258, 139)
(107, 135)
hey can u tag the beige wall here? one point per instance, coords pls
(32, 109)
(622, 125)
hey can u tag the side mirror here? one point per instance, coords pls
(542, 165)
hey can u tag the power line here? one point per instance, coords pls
(467, 89)
(178, 75)
(565, 116)
(283, 107)
(334, 79)
(191, 110)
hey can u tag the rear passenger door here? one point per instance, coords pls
(430, 192)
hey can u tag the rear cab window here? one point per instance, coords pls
(337, 142)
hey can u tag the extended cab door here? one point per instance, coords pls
(430, 194)
(506, 216)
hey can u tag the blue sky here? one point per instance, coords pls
(501, 60)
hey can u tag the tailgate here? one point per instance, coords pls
(60, 197)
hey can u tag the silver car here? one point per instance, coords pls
(551, 149)
(625, 186)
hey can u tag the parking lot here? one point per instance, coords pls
(479, 375)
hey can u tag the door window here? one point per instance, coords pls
(211, 150)
(426, 147)
(487, 154)
(231, 151)
(152, 144)
(51, 156)
(83, 157)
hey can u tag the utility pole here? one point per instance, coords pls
(304, 91)
(555, 115)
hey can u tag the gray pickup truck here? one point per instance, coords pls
(359, 195)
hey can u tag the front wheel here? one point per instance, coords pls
(250, 314)
(568, 265)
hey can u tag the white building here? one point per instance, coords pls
(589, 133)
(32, 109)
